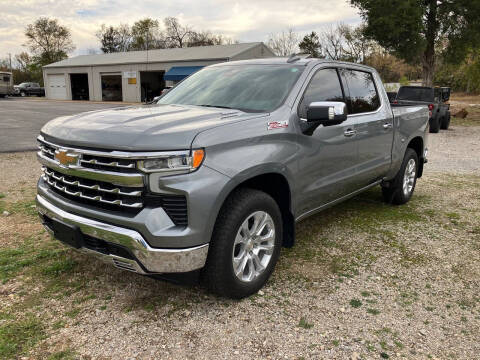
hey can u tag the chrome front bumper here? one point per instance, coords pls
(147, 260)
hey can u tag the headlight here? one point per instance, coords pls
(173, 163)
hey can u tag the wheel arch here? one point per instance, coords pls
(275, 184)
(417, 145)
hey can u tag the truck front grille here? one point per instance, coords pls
(93, 191)
(103, 179)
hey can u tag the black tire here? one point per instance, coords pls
(218, 273)
(446, 121)
(435, 125)
(393, 192)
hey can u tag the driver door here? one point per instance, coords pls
(328, 157)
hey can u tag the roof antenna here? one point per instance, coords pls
(295, 57)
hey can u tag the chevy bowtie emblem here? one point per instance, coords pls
(66, 159)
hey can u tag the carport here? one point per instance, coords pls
(178, 73)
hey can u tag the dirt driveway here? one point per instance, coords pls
(365, 281)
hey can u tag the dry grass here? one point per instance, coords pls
(471, 103)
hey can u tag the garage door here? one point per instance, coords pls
(56, 87)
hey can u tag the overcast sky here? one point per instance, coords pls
(246, 20)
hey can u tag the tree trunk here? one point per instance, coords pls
(429, 53)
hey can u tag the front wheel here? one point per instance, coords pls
(245, 245)
(400, 189)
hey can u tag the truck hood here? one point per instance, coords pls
(139, 128)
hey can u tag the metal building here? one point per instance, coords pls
(136, 76)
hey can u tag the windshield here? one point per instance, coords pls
(416, 94)
(252, 88)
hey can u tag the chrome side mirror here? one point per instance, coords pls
(327, 112)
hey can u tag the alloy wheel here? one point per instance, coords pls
(253, 246)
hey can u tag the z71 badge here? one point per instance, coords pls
(277, 125)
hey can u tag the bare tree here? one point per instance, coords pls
(23, 61)
(356, 46)
(332, 42)
(114, 39)
(284, 43)
(176, 35)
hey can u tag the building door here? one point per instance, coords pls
(56, 87)
(152, 84)
(112, 87)
(79, 84)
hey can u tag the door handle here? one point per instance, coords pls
(387, 125)
(349, 132)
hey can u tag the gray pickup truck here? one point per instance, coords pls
(436, 100)
(216, 174)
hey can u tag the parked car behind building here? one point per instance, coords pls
(29, 89)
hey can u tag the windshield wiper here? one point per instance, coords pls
(218, 106)
(231, 108)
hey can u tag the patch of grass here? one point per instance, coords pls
(303, 323)
(59, 266)
(85, 298)
(18, 337)
(72, 314)
(59, 324)
(23, 207)
(373, 311)
(365, 294)
(103, 307)
(407, 298)
(2, 196)
(384, 355)
(63, 355)
(429, 308)
(355, 303)
(336, 342)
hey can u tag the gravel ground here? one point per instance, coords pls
(455, 150)
(364, 281)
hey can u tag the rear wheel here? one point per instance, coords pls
(245, 245)
(435, 125)
(446, 121)
(400, 189)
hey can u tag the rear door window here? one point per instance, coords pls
(362, 95)
(324, 86)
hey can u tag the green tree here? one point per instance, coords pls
(310, 44)
(418, 30)
(48, 41)
(146, 35)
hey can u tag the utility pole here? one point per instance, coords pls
(10, 60)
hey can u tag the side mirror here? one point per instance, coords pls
(327, 112)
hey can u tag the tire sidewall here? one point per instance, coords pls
(268, 205)
(410, 154)
(435, 125)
